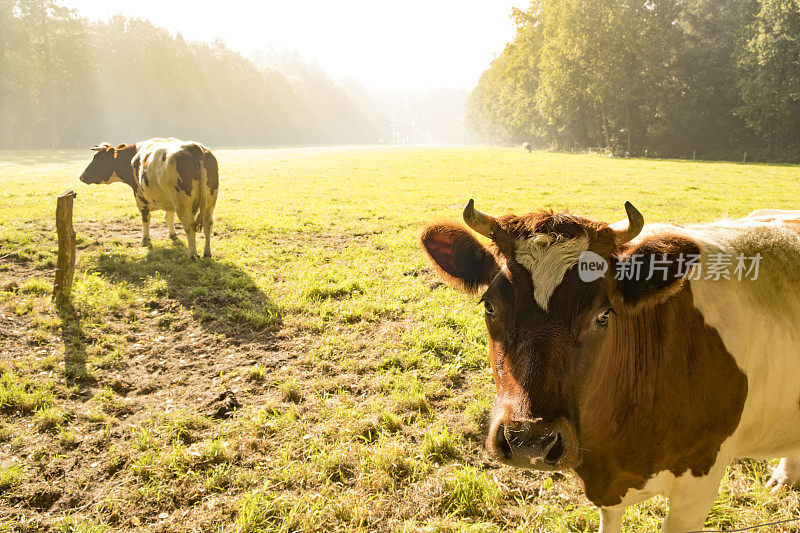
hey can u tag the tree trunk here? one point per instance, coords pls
(628, 127)
(605, 124)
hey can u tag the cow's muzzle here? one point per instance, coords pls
(534, 444)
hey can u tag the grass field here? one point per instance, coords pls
(360, 382)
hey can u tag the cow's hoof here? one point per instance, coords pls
(146, 242)
(783, 477)
(174, 238)
(206, 255)
(194, 256)
(780, 480)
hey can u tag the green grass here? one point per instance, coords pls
(51, 419)
(10, 476)
(23, 394)
(441, 445)
(362, 382)
(470, 493)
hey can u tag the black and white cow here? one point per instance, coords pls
(170, 174)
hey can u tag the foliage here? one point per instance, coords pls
(709, 78)
(66, 83)
(770, 84)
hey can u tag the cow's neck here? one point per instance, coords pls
(122, 165)
(662, 379)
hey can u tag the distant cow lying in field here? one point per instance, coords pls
(526, 147)
(628, 354)
(176, 176)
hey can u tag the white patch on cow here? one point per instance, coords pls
(757, 321)
(547, 258)
(768, 215)
(690, 497)
(785, 475)
(162, 191)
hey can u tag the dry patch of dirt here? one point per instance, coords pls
(170, 361)
(181, 365)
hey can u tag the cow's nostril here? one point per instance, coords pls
(501, 443)
(557, 449)
(548, 442)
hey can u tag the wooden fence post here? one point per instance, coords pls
(65, 265)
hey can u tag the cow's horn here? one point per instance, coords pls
(101, 146)
(482, 223)
(627, 229)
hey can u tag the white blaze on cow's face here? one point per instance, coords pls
(548, 258)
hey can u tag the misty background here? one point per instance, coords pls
(706, 79)
(69, 82)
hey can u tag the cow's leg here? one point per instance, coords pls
(786, 474)
(170, 219)
(611, 519)
(690, 500)
(208, 224)
(185, 216)
(144, 209)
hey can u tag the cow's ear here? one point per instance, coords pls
(652, 271)
(460, 259)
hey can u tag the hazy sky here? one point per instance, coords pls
(406, 44)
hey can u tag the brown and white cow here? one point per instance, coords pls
(646, 383)
(170, 174)
(526, 147)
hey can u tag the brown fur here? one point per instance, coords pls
(190, 162)
(135, 165)
(664, 396)
(188, 165)
(654, 390)
(537, 371)
(110, 160)
(458, 257)
(212, 171)
(123, 155)
(649, 290)
(563, 224)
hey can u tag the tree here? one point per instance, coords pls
(666, 77)
(67, 82)
(770, 76)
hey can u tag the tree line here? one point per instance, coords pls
(671, 78)
(66, 82)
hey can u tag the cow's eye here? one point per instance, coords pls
(489, 308)
(602, 318)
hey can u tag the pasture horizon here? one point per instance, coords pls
(682, 179)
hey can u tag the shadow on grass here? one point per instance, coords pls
(73, 337)
(221, 296)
